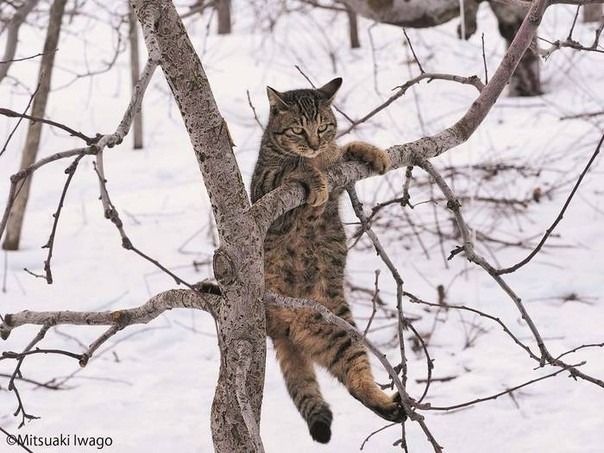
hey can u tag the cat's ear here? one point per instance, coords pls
(330, 89)
(275, 99)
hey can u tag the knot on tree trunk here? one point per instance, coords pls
(225, 269)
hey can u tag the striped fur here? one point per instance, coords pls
(305, 255)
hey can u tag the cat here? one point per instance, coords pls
(305, 255)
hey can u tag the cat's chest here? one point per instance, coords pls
(312, 228)
(327, 159)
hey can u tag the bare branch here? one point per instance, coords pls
(468, 249)
(417, 300)
(419, 65)
(24, 173)
(358, 210)
(51, 240)
(429, 76)
(167, 300)
(12, 133)
(509, 391)
(274, 204)
(74, 133)
(560, 216)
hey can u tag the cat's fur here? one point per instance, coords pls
(305, 255)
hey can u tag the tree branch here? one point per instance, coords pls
(468, 249)
(560, 216)
(290, 196)
(12, 114)
(167, 300)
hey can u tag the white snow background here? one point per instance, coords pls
(150, 388)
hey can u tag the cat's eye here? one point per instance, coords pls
(297, 130)
(323, 127)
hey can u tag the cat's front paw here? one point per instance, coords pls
(372, 155)
(317, 188)
(380, 161)
(317, 196)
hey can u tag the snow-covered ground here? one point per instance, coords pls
(150, 388)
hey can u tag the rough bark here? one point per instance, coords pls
(223, 9)
(135, 71)
(238, 263)
(32, 142)
(526, 80)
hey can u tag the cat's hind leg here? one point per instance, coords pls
(345, 358)
(302, 385)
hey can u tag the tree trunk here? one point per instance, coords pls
(135, 71)
(592, 13)
(428, 13)
(526, 80)
(407, 13)
(32, 142)
(353, 28)
(223, 8)
(12, 35)
(238, 263)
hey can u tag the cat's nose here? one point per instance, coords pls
(313, 143)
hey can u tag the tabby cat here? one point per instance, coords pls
(305, 255)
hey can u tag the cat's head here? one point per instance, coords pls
(301, 122)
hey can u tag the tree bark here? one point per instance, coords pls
(223, 8)
(353, 28)
(135, 71)
(526, 80)
(32, 142)
(238, 262)
(592, 13)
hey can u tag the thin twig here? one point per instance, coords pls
(113, 216)
(374, 300)
(10, 136)
(249, 101)
(484, 61)
(51, 239)
(375, 432)
(401, 90)
(505, 392)
(421, 69)
(12, 114)
(560, 216)
(468, 249)
(417, 300)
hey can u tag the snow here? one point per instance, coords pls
(151, 387)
